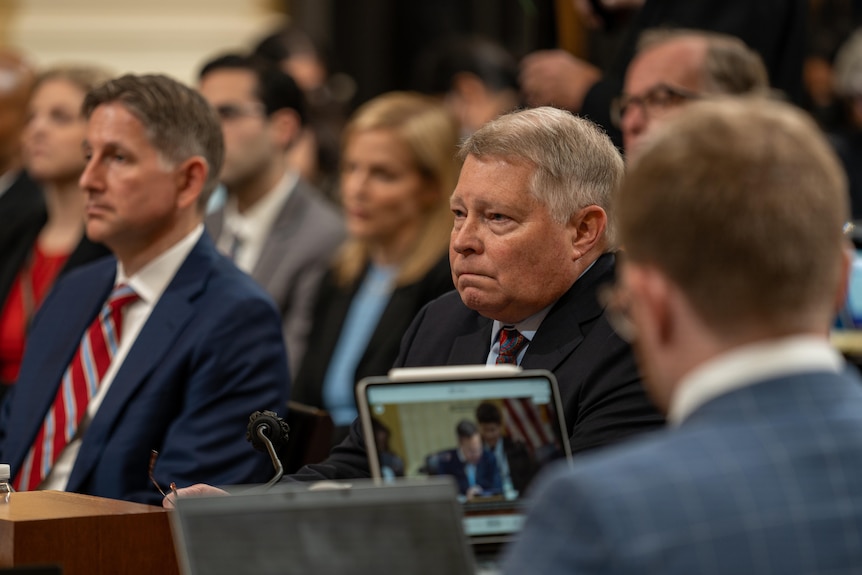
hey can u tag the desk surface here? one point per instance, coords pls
(85, 535)
(38, 505)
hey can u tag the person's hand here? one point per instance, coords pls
(556, 78)
(192, 491)
(473, 491)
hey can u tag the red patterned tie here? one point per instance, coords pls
(511, 344)
(78, 386)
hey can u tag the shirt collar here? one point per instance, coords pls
(259, 218)
(152, 279)
(749, 364)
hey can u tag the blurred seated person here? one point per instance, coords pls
(398, 168)
(676, 66)
(391, 465)
(55, 243)
(847, 141)
(477, 78)
(315, 154)
(21, 201)
(514, 459)
(472, 465)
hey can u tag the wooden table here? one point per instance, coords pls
(85, 535)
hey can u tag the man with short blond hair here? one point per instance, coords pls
(732, 214)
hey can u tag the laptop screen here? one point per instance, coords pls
(491, 430)
(408, 527)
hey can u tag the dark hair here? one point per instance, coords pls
(275, 89)
(290, 41)
(488, 412)
(179, 122)
(466, 429)
(437, 67)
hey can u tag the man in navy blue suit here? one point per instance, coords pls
(197, 349)
(473, 467)
(732, 217)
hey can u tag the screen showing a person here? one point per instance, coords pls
(491, 437)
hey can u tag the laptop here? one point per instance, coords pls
(410, 420)
(411, 527)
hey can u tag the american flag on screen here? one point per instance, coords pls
(525, 421)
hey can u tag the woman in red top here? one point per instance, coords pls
(53, 157)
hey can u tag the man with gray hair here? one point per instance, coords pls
(672, 67)
(732, 215)
(166, 346)
(530, 247)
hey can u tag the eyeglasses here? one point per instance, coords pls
(655, 101)
(228, 112)
(153, 456)
(618, 310)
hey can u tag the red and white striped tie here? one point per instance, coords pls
(78, 386)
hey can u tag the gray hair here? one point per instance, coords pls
(180, 124)
(576, 164)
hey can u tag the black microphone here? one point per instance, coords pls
(268, 432)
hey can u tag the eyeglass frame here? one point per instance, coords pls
(672, 97)
(173, 486)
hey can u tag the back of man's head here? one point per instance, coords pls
(741, 203)
(275, 89)
(576, 164)
(179, 122)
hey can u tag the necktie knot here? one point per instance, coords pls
(121, 296)
(511, 344)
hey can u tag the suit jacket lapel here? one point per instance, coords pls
(171, 313)
(285, 225)
(561, 331)
(466, 349)
(56, 352)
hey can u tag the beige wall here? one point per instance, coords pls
(167, 36)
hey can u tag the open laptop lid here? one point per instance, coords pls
(411, 527)
(410, 420)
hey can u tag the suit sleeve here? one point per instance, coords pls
(562, 532)
(611, 404)
(239, 367)
(349, 459)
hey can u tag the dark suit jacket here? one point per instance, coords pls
(298, 251)
(603, 400)
(763, 479)
(210, 354)
(22, 209)
(331, 309)
(522, 466)
(487, 473)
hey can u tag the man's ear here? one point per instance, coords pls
(285, 127)
(653, 294)
(190, 178)
(587, 228)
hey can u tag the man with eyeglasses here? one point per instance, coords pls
(733, 215)
(274, 225)
(673, 67)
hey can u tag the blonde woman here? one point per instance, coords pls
(398, 168)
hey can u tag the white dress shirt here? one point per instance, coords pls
(748, 365)
(254, 226)
(149, 283)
